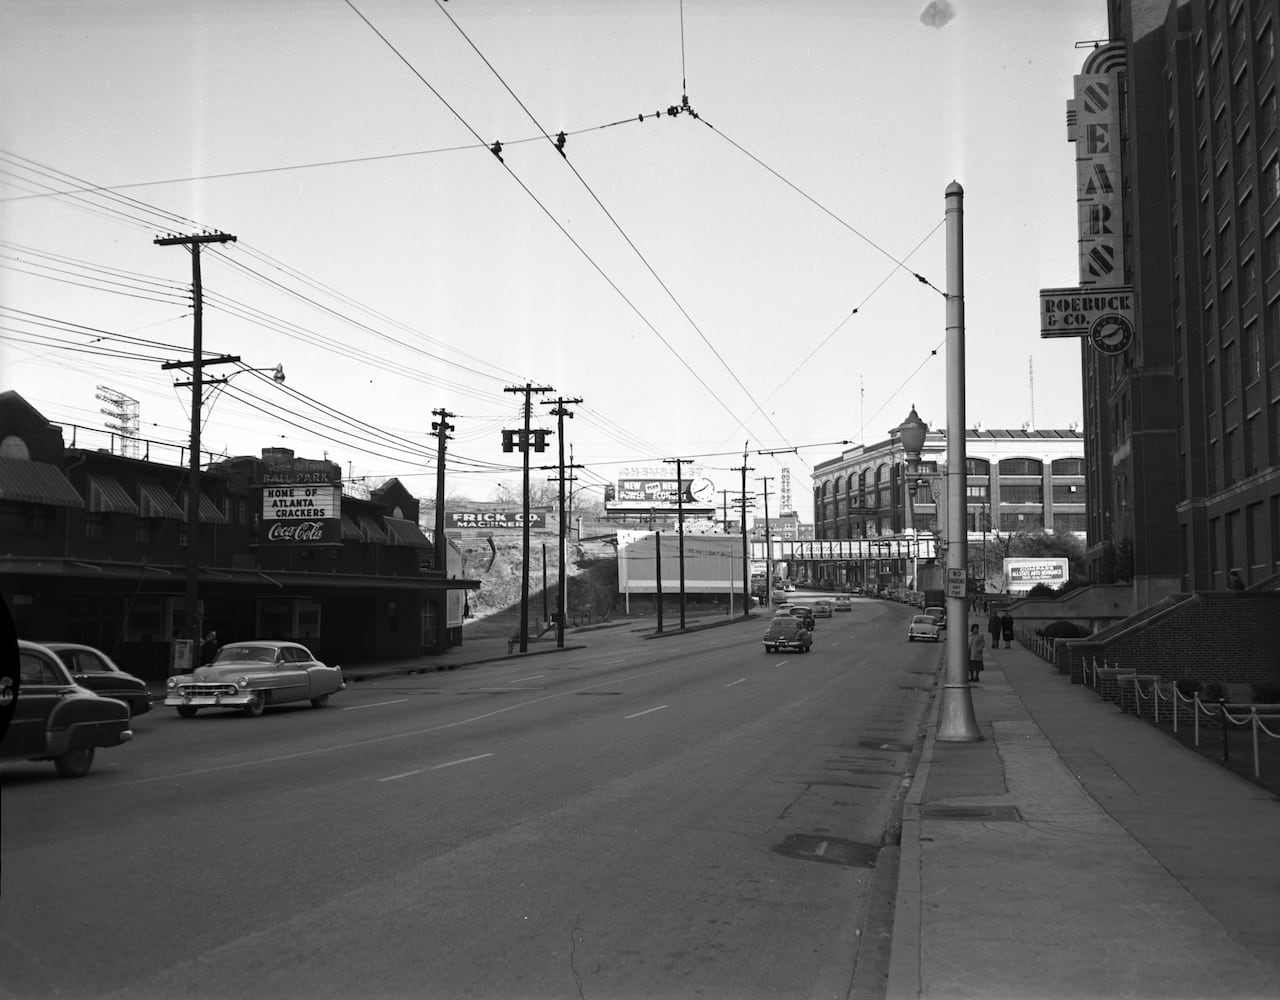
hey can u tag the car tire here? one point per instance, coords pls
(255, 705)
(187, 711)
(74, 763)
(320, 702)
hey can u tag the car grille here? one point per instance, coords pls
(205, 690)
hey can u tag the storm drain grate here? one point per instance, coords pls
(829, 850)
(991, 814)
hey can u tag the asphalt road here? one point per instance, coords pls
(674, 817)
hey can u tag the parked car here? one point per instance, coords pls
(787, 632)
(843, 603)
(938, 613)
(923, 627)
(821, 609)
(252, 675)
(93, 669)
(56, 719)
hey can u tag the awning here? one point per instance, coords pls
(350, 531)
(209, 513)
(24, 481)
(370, 531)
(156, 502)
(106, 496)
(404, 532)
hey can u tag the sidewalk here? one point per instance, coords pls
(1078, 852)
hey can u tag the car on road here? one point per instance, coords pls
(804, 613)
(93, 669)
(56, 719)
(251, 676)
(843, 603)
(822, 609)
(923, 627)
(787, 632)
(938, 613)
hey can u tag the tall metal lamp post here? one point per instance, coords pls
(911, 433)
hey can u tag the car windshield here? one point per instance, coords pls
(924, 620)
(246, 654)
(785, 626)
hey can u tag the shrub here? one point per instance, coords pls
(1063, 630)
(1213, 692)
(1266, 694)
(1187, 688)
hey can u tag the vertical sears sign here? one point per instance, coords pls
(300, 508)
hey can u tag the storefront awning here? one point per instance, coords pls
(350, 532)
(209, 513)
(106, 496)
(404, 532)
(154, 501)
(370, 530)
(24, 481)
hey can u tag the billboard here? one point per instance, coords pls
(303, 512)
(646, 489)
(473, 520)
(712, 563)
(1023, 573)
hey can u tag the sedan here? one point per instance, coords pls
(96, 671)
(786, 632)
(252, 675)
(821, 609)
(56, 719)
(923, 627)
(843, 603)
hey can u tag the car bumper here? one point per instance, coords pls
(218, 700)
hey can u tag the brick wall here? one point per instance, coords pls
(1228, 637)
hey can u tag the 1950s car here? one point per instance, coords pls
(56, 719)
(93, 669)
(252, 675)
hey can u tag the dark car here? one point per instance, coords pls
(804, 613)
(787, 632)
(95, 670)
(56, 719)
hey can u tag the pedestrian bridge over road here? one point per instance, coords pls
(920, 546)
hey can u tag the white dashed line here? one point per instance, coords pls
(646, 712)
(521, 680)
(738, 681)
(464, 760)
(376, 704)
(405, 774)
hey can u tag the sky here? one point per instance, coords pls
(763, 272)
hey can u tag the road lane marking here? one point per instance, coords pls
(388, 737)
(403, 774)
(464, 760)
(521, 680)
(738, 681)
(646, 712)
(376, 704)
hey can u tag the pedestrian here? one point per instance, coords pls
(209, 648)
(1234, 580)
(1006, 629)
(993, 627)
(976, 643)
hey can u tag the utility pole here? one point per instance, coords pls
(559, 412)
(538, 441)
(440, 555)
(768, 538)
(679, 463)
(196, 364)
(746, 562)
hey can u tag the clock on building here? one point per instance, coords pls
(702, 490)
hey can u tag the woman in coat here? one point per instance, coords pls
(993, 626)
(1006, 629)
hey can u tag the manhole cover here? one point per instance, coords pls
(830, 850)
(990, 814)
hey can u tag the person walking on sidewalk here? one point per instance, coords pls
(993, 626)
(1006, 628)
(977, 641)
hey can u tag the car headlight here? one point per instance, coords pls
(171, 683)
(242, 682)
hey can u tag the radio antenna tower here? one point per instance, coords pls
(123, 414)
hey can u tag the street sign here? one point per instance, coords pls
(955, 582)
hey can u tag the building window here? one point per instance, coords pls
(142, 530)
(1068, 467)
(93, 525)
(1266, 45)
(1021, 494)
(1021, 467)
(1068, 493)
(1271, 250)
(1272, 179)
(1248, 279)
(1252, 354)
(1230, 371)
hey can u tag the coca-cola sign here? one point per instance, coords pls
(313, 532)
